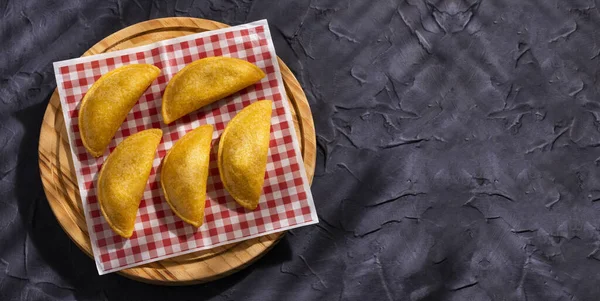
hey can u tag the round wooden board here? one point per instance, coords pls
(60, 183)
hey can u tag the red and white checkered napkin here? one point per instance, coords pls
(286, 201)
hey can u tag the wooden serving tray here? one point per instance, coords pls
(60, 182)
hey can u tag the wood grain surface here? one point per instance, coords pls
(60, 182)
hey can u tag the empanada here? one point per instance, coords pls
(243, 151)
(106, 105)
(184, 173)
(205, 81)
(123, 178)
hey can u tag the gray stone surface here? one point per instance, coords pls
(458, 150)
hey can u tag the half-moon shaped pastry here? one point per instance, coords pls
(243, 152)
(184, 174)
(204, 82)
(123, 178)
(106, 105)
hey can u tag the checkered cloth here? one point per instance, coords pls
(286, 201)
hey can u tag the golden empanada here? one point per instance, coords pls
(106, 105)
(123, 178)
(184, 173)
(243, 152)
(206, 81)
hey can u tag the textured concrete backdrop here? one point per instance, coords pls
(458, 149)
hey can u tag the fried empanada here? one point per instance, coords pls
(243, 151)
(123, 178)
(184, 173)
(106, 105)
(204, 82)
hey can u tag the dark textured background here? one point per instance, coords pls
(458, 150)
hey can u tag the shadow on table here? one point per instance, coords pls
(51, 257)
